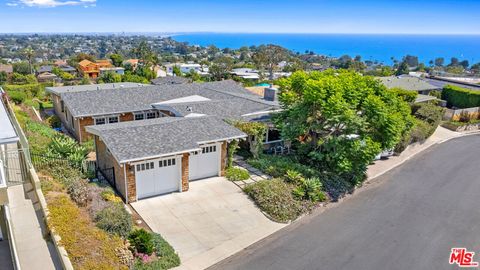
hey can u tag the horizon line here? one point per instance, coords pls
(239, 32)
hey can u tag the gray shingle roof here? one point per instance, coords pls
(138, 140)
(237, 100)
(170, 80)
(91, 87)
(407, 83)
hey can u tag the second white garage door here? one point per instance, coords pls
(205, 163)
(157, 177)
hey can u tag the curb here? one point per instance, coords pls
(413, 155)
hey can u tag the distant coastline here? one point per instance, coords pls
(374, 47)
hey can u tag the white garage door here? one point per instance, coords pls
(205, 163)
(157, 177)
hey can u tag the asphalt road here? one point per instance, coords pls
(406, 219)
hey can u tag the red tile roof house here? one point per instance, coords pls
(185, 138)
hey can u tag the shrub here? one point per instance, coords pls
(436, 93)
(276, 199)
(429, 112)
(310, 189)
(237, 174)
(87, 246)
(114, 219)
(294, 177)
(17, 96)
(166, 256)
(110, 196)
(78, 191)
(54, 121)
(277, 166)
(460, 97)
(232, 148)
(407, 95)
(141, 241)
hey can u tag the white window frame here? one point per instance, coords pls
(150, 112)
(138, 113)
(99, 118)
(106, 119)
(113, 116)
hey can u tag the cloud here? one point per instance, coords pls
(53, 3)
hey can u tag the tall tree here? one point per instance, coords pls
(268, 57)
(439, 62)
(402, 69)
(29, 54)
(412, 61)
(220, 67)
(117, 59)
(145, 54)
(340, 119)
(454, 62)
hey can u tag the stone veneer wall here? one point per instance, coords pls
(185, 171)
(131, 184)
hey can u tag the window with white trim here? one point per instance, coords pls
(139, 116)
(167, 162)
(112, 119)
(209, 149)
(146, 166)
(100, 121)
(151, 115)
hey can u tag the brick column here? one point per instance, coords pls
(223, 158)
(131, 184)
(185, 170)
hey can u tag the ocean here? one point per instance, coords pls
(379, 48)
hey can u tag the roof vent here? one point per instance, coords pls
(189, 109)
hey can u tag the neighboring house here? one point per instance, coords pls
(170, 80)
(409, 83)
(80, 106)
(132, 62)
(412, 83)
(92, 69)
(117, 70)
(43, 69)
(163, 155)
(47, 77)
(60, 62)
(68, 69)
(246, 73)
(184, 68)
(6, 68)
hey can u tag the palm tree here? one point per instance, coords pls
(29, 53)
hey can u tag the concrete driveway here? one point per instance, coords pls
(210, 222)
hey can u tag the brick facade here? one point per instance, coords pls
(131, 184)
(82, 135)
(185, 170)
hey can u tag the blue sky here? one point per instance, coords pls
(273, 16)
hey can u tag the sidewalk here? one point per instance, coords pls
(255, 174)
(34, 252)
(440, 135)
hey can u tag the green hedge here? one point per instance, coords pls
(460, 97)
